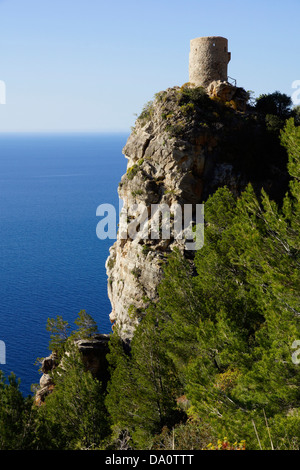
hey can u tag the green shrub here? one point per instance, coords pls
(132, 171)
(187, 109)
(136, 272)
(147, 111)
(138, 192)
(176, 130)
(196, 95)
(146, 249)
(275, 103)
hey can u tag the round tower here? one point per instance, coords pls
(208, 60)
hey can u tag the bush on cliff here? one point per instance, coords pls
(16, 430)
(73, 415)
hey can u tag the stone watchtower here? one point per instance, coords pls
(208, 62)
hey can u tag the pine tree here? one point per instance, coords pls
(74, 415)
(143, 388)
(16, 429)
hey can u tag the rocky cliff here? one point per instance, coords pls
(185, 144)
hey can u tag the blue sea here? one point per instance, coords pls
(51, 260)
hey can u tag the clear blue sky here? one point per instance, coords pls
(89, 65)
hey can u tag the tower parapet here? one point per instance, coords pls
(208, 60)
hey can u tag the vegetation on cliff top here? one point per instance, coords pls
(246, 139)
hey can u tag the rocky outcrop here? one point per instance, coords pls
(236, 97)
(46, 382)
(185, 144)
(93, 352)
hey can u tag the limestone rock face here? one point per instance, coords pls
(46, 383)
(237, 97)
(93, 352)
(185, 144)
